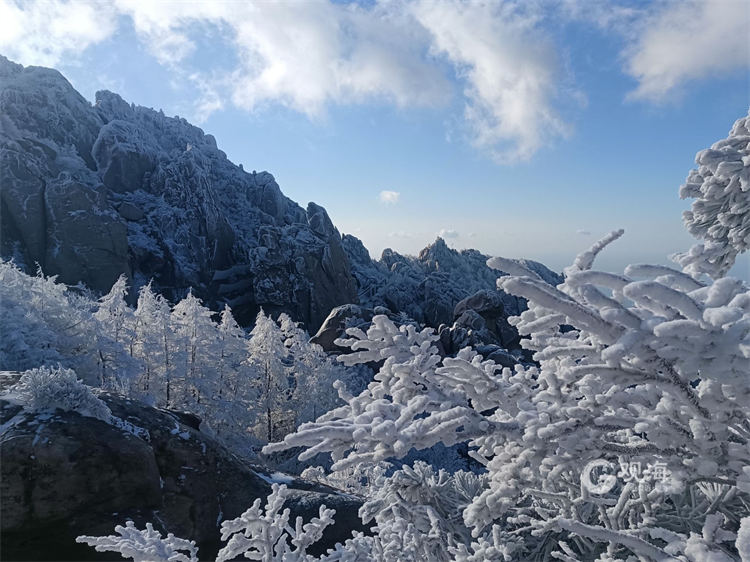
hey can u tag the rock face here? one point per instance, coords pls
(65, 475)
(92, 192)
(451, 291)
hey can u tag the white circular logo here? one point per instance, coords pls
(604, 482)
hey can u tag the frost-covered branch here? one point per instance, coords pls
(720, 214)
(144, 545)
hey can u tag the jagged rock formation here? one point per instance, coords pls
(427, 288)
(91, 192)
(64, 475)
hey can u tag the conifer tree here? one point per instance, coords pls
(269, 358)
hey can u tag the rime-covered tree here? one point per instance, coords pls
(45, 323)
(197, 336)
(269, 358)
(155, 346)
(720, 214)
(654, 372)
(314, 373)
(236, 401)
(115, 334)
(232, 352)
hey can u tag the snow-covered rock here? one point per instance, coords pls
(94, 191)
(66, 474)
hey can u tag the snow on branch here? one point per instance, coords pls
(144, 545)
(265, 533)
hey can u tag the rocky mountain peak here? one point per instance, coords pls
(94, 191)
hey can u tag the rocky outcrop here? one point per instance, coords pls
(429, 287)
(92, 192)
(55, 212)
(64, 475)
(479, 321)
(348, 316)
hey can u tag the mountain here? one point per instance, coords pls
(90, 192)
(428, 287)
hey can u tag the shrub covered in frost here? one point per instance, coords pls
(265, 533)
(418, 511)
(44, 323)
(654, 374)
(50, 388)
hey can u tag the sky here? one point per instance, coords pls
(521, 128)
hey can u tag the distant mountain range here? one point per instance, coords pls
(90, 192)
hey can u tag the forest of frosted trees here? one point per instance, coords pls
(627, 439)
(247, 388)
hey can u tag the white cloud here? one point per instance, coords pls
(310, 55)
(510, 70)
(164, 27)
(583, 232)
(687, 41)
(400, 234)
(307, 55)
(389, 197)
(302, 55)
(448, 233)
(611, 15)
(45, 33)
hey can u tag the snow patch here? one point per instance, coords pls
(276, 478)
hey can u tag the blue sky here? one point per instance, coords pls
(523, 129)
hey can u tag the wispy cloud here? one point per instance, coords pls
(583, 232)
(389, 197)
(668, 44)
(509, 68)
(448, 233)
